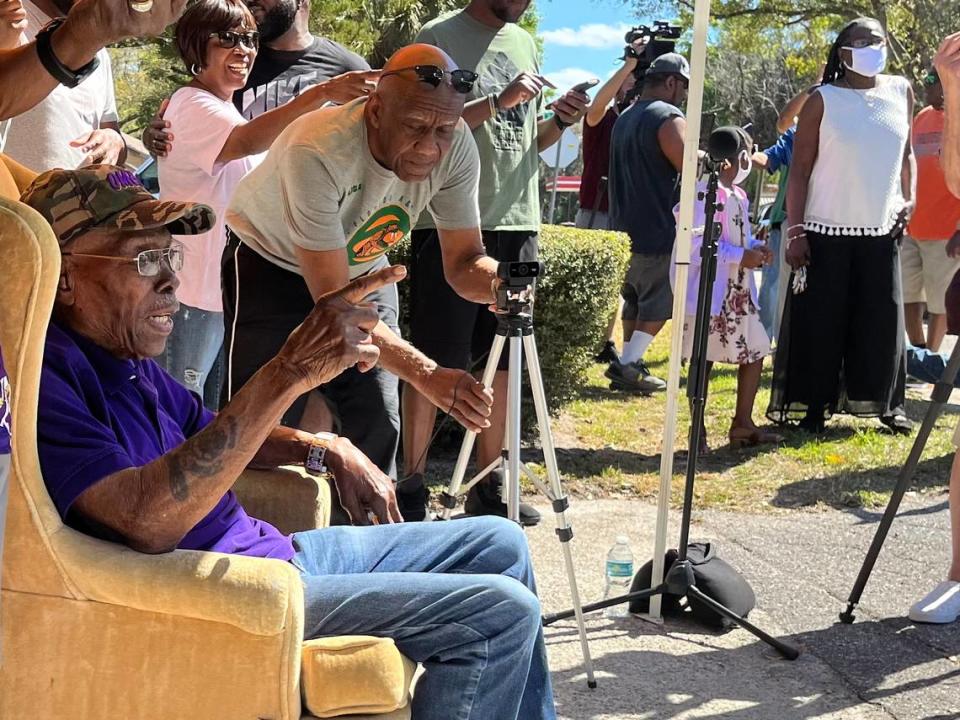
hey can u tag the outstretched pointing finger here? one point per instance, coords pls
(358, 289)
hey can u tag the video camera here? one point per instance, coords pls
(661, 39)
(517, 281)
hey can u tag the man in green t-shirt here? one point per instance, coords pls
(504, 112)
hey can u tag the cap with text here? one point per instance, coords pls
(107, 196)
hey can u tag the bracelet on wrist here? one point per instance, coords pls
(560, 123)
(317, 452)
(51, 63)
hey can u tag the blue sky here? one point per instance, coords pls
(582, 38)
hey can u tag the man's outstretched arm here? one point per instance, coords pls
(90, 26)
(947, 63)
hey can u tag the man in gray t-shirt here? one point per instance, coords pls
(338, 188)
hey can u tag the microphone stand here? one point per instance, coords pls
(680, 579)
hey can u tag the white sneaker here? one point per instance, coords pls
(941, 605)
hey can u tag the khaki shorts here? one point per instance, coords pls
(927, 272)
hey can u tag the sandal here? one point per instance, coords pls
(751, 437)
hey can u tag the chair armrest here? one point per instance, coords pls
(259, 596)
(289, 498)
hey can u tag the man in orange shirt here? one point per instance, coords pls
(928, 255)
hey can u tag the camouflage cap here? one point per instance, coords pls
(107, 196)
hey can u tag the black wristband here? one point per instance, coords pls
(60, 72)
(560, 123)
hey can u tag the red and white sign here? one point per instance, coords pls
(565, 183)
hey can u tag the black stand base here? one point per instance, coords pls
(680, 581)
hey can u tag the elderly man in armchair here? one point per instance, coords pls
(130, 456)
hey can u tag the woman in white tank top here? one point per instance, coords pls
(849, 197)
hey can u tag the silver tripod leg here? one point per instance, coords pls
(466, 447)
(557, 498)
(511, 483)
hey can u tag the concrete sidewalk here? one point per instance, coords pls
(802, 566)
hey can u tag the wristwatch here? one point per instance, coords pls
(317, 451)
(60, 72)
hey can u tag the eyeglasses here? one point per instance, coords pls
(861, 43)
(462, 80)
(149, 261)
(931, 80)
(229, 38)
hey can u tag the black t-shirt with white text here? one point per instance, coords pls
(278, 76)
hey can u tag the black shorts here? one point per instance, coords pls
(263, 303)
(455, 332)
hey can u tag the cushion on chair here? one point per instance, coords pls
(351, 675)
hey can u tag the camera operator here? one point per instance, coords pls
(613, 97)
(646, 156)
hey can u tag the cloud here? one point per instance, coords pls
(592, 35)
(566, 78)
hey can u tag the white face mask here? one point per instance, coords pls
(869, 61)
(743, 172)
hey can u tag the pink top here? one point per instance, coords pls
(201, 123)
(736, 236)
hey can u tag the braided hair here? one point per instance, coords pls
(835, 69)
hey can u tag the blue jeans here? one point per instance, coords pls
(193, 354)
(926, 365)
(769, 295)
(457, 597)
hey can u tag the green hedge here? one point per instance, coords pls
(575, 298)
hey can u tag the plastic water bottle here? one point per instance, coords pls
(619, 576)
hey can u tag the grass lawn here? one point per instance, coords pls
(608, 444)
(611, 443)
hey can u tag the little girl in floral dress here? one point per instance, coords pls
(736, 334)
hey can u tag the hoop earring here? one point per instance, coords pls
(195, 69)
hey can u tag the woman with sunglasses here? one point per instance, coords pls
(849, 198)
(214, 149)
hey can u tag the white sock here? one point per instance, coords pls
(635, 347)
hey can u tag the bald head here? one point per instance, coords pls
(412, 117)
(407, 83)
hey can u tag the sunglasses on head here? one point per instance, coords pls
(229, 39)
(462, 80)
(931, 79)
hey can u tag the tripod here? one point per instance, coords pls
(515, 321)
(680, 580)
(939, 397)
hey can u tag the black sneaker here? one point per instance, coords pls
(484, 499)
(413, 499)
(898, 423)
(634, 377)
(608, 354)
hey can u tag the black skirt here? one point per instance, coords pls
(841, 347)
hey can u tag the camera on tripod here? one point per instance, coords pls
(517, 281)
(661, 39)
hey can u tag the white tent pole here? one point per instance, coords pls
(698, 64)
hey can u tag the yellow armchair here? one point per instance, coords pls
(93, 630)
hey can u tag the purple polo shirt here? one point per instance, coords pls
(4, 411)
(98, 415)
